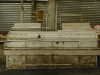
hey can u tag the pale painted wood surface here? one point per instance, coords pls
(79, 35)
(51, 52)
(74, 35)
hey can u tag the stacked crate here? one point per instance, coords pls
(27, 45)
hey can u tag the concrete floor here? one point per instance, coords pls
(52, 71)
(2, 67)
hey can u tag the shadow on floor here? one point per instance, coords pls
(54, 71)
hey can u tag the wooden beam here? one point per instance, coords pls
(51, 52)
(51, 15)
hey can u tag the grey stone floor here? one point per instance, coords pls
(52, 71)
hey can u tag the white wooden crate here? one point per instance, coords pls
(74, 40)
(76, 26)
(27, 26)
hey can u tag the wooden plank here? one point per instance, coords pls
(65, 33)
(21, 40)
(52, 36)
(27, 24)
(51, 44)
(27, 44)
(14, 44)
(51, 52)
(79, 26)
(38, 44)
(64, 14)
(26, 29)
(50, 32)
(88, 44)
(76, 24)
(54, 48)
(75, 29)
(80, 30)
(85, 31)
(50, 40)
(66, 44)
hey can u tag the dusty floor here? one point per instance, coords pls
(54, 71)
(2, 67)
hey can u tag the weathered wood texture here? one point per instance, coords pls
(27, 26)
(52, 52)
(72, 35)
(16, 62)
(73, 45)
(50, 44)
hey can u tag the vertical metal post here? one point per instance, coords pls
(22, 12)
(51, 15)
(33, 9)
(46, 21)
(56, 17)
(60, 22)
